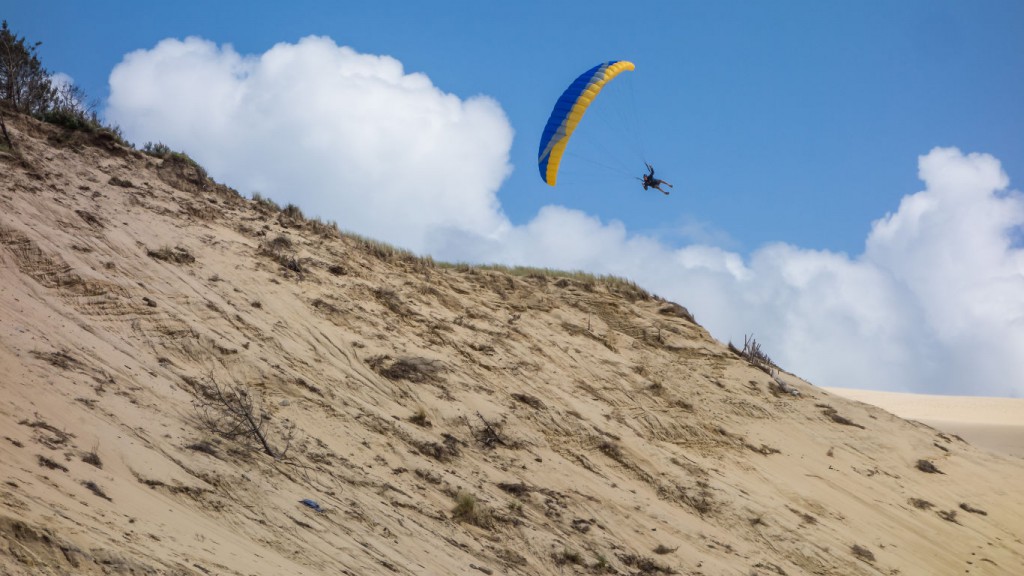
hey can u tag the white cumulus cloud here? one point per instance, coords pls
(934, 304)
(346, 136)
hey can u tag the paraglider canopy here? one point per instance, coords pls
(568, 112)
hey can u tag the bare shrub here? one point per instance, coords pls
(490, 435)
(753, 354)
(236, 412)
(928, 466)
(948, 516)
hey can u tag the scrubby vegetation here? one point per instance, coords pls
(27, 87)
(469, 510)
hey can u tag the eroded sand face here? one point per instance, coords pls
(447, 420)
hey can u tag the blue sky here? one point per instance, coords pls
(789, 129)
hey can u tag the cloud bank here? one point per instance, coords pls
(934, 304)
(346, 136)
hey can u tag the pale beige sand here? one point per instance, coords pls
(631, 441)
(993, 423)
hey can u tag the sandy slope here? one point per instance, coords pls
(993, 423)
(447, 420)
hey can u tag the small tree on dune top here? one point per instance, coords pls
(25, 86)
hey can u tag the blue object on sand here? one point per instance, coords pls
(312, 504)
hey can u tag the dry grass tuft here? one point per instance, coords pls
(60, 359)
(444, 451)
(204, 446)
(281, 249)
(420, 418)
(176, 255)
(390, 299)
(529, 400)
(95, 489)
(411, 369)
(92, 458)
(388, 253)
(325, 229)
(612, 450)
(645, 565)
(469, 510)
(968, 508)
(517, 489)
(264, 204)
(920, 504)
(588, 282)
(662, 549)
(862, 553)
(567, 556)
(47, 463)
(834, 416)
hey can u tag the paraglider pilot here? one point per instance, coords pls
(649, 181)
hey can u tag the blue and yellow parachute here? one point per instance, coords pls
(569, 110)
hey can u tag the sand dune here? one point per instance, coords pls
(444, 419)
(993, 423)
